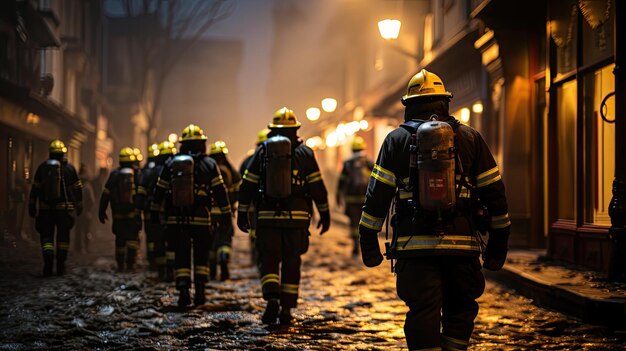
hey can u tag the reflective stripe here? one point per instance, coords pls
(243, 207)
(217, 181)
(141, 190)
(371, 222)
(499, 222)
(314, 177)
(47, 246)
(183, 272)
(270, 278)
(489, 177)
(131, 244)
(252, 233)
(289, 288)
(405, 194)
(297, 215)
(201, 270)
(445, 242)
(77, 185)
(163, 183)
(151, 246)
(384, 175)
(63, 246)
(453, 344)
(464, 193)
(225, 209)
(322, 207)
(224, 249)
(215, 210)
(170, 255)
(251, 177)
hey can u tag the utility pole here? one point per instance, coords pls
(617, 207)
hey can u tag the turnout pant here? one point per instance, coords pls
(126, 242)
(441, 293)
(47, 224)
(279, 252)
(186, 237)
(353, 211)
(153, 231)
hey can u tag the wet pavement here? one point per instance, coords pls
(343, 306)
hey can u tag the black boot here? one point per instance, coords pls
(285, 316)
(199, 299)
(271, 312)
(183, 297)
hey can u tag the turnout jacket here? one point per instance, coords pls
(390, 178)
(350, 166)
(232, 182)
(71, 195)
(147, 182)
(209, 189)
(306, 186)
(118, 210)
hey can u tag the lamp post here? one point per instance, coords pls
(389, 29)
(617, 207)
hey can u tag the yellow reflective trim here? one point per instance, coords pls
(251, 177)
(489, 181)
(270, 278)
(243, 207)
(371, 222)
(487, 173)
(385, 171)
(499, 222)
(170, 255)
(424, 242)
(252, 233)
(405, 194)
(163, 183)
(313, 175)
(63, 246)
(316, 179)
(322, 207)
(224, 249)
(289, 288)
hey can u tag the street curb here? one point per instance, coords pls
(606, 312)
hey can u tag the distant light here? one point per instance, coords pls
(314, 142)
(358, 113)
(329, 104)
(331, 139)
(172, 138)
(389, 28)
(313, 113)
(477, 107)
(465, 115)
(353, 127)
(363, 124)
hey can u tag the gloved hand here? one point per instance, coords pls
(497, 248)
(32, 209)
(102, 217)
(370, 251)
(79, 209)
(155, 217)
(324, 222)
(242, 221)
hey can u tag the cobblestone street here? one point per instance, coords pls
(342, 306)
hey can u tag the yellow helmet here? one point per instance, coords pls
(218, 147)
(192, 132)
(284, 118)
(262, 135)
(425, 84)
(166, 148)
(153, 151)
(358, 144)
(138, 155)
(57, 147)
(127, 155)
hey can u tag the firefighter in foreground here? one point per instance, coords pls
(192, 182)
(223, 226)
(352, 186)
(121, 191)
(441, 174)
(155, 237)
(285, 172)
(261, 137)
(56, 193)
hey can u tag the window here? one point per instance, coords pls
(566, 150)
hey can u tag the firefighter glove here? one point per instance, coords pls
(242, 221)
(32, 209)
(155, 217)
(370, 251)
(324, 222)
(497, 248)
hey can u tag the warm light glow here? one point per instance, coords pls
(477, 107)
(358, 113)
(465, 115)
(389, 28)
(313, 113)
(172, 138)
(352, 127)
(331, 139)
(363, 124)
(314, 142)
(32, 118)
(329, 104)
(102, 134)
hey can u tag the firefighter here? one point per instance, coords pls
(147, 180)
(284, 170)
(192, 182)
(352, 186)
(56, 193)
(223, 241)
(261, 137)
(120, 191)
(441, 174)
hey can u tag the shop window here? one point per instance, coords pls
(563, 29)
(566, 150)
(599, 145)
(597, 30)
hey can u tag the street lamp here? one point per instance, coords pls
(313, 113)
(389, 28)
(329, 104)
